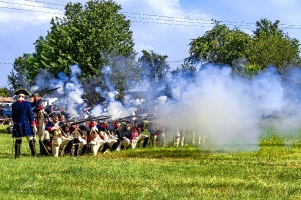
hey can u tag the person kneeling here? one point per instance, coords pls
(97, 141)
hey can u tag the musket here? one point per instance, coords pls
(88, 119)
(117, 120)
(122, 119)
(131, 116)
(3, 119)
(46, 91)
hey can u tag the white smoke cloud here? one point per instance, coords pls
(97, 110)
(229, 110)
(70, 90)
(74, 90)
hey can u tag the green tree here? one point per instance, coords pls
(186, 70)
(270, 46)
(248, 71)
(154, 67)
(4, 92)
(219, 45)
(24, 67)
(84, 36)
(125, 72)
(267, 27)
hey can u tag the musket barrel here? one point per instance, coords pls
(87, 119)
(46, 91)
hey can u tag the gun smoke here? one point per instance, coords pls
(228, 109)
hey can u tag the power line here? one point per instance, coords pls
(153, 19)
(20, 4)
(5, 63)
(198, 21)
(22, 9)
(152, 22)
(57, 4)
(166, 20)
(162, 16)
(169, 24)
(147, 22)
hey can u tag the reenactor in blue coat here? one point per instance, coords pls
(24, 124)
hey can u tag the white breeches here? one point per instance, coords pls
(95, 146)
(42, 133)
(57, 142)
(125, 142)
(137, 140)
(31, 137)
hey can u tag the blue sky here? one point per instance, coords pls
(165, 26)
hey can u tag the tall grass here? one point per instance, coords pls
(271, 172)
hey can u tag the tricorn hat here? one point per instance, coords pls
(21, 91)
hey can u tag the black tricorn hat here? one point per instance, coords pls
(21, 91)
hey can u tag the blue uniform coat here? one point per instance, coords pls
(23, 119)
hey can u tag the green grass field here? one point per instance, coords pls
(271, 172)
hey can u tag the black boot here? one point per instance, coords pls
(17, 148)
(32, 147)
(84, 149)
(145, 142)
(115, 145)
(105, 147)
(68, 147)
(47, 150)
(76, 149)
(42, 151)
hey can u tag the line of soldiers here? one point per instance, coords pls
(58, 135)
(92, 136)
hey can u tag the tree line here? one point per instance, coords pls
(95, 35)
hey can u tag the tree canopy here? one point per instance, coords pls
(87, 35)
(3, 92)
(268, 46)
(219, 45)
(154, 66)
(83, 35)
